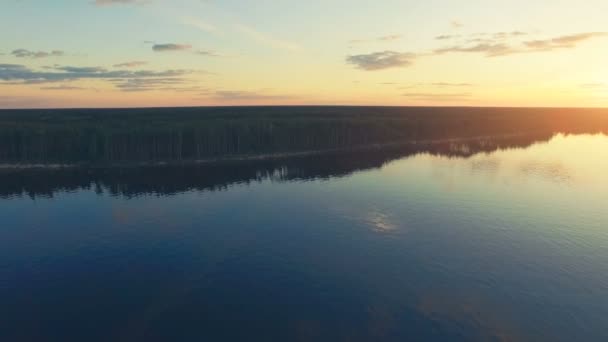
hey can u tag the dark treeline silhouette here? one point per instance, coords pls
(175, 178)
(119, 136)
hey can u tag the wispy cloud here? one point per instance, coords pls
(120, 2)
(562, 42)
(390, 37)
(499, 35)
(63, 87)
(438, 96)
(502, 44)
(199, 24)
(126, 80)
(171, 47)
(447, 36)
(24, 53)
(381, 60)
(266, 39)
(148, 84)
(171, 83)
(489, 49)
(132, 64)
(386, 38)
(447, 84)
(436, 85)
(232, 95)
(81, 70)
(208, 53)
(488, 44)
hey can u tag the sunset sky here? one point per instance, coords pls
(127, 53)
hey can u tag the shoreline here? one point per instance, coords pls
(244, 158)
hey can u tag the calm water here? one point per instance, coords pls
(457, 244)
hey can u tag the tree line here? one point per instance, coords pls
(189, 134)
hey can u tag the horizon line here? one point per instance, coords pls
(292, 105)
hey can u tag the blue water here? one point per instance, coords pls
(500, 246)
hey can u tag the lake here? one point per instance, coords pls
(495, 238)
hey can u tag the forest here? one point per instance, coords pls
(105, 137)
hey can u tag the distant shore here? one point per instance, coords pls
(421, 143)
(55, 139)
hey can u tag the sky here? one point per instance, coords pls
(136, 53)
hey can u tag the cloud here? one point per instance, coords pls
(20, 74)
(447, 36)
(232, 95)
(23, 53)
(438, 96)
(62, 87)
(185, 48)
(381, 60)
(132, 64)
(390, 37)
(562, 42)
(435, 85)
(503, 35)
(489, 49)
(501, 44)
(147, 84)
(199, 24)
(491, 45)
(266, 39)
(171, 47)
(483, 37)
(387, 38)
(177, 84)
(10, 72)
(447, 84)
(82, 70)
(208, 53)
(124, 80)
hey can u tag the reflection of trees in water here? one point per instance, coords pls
(171, 179)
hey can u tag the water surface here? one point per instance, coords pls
(491, 239)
